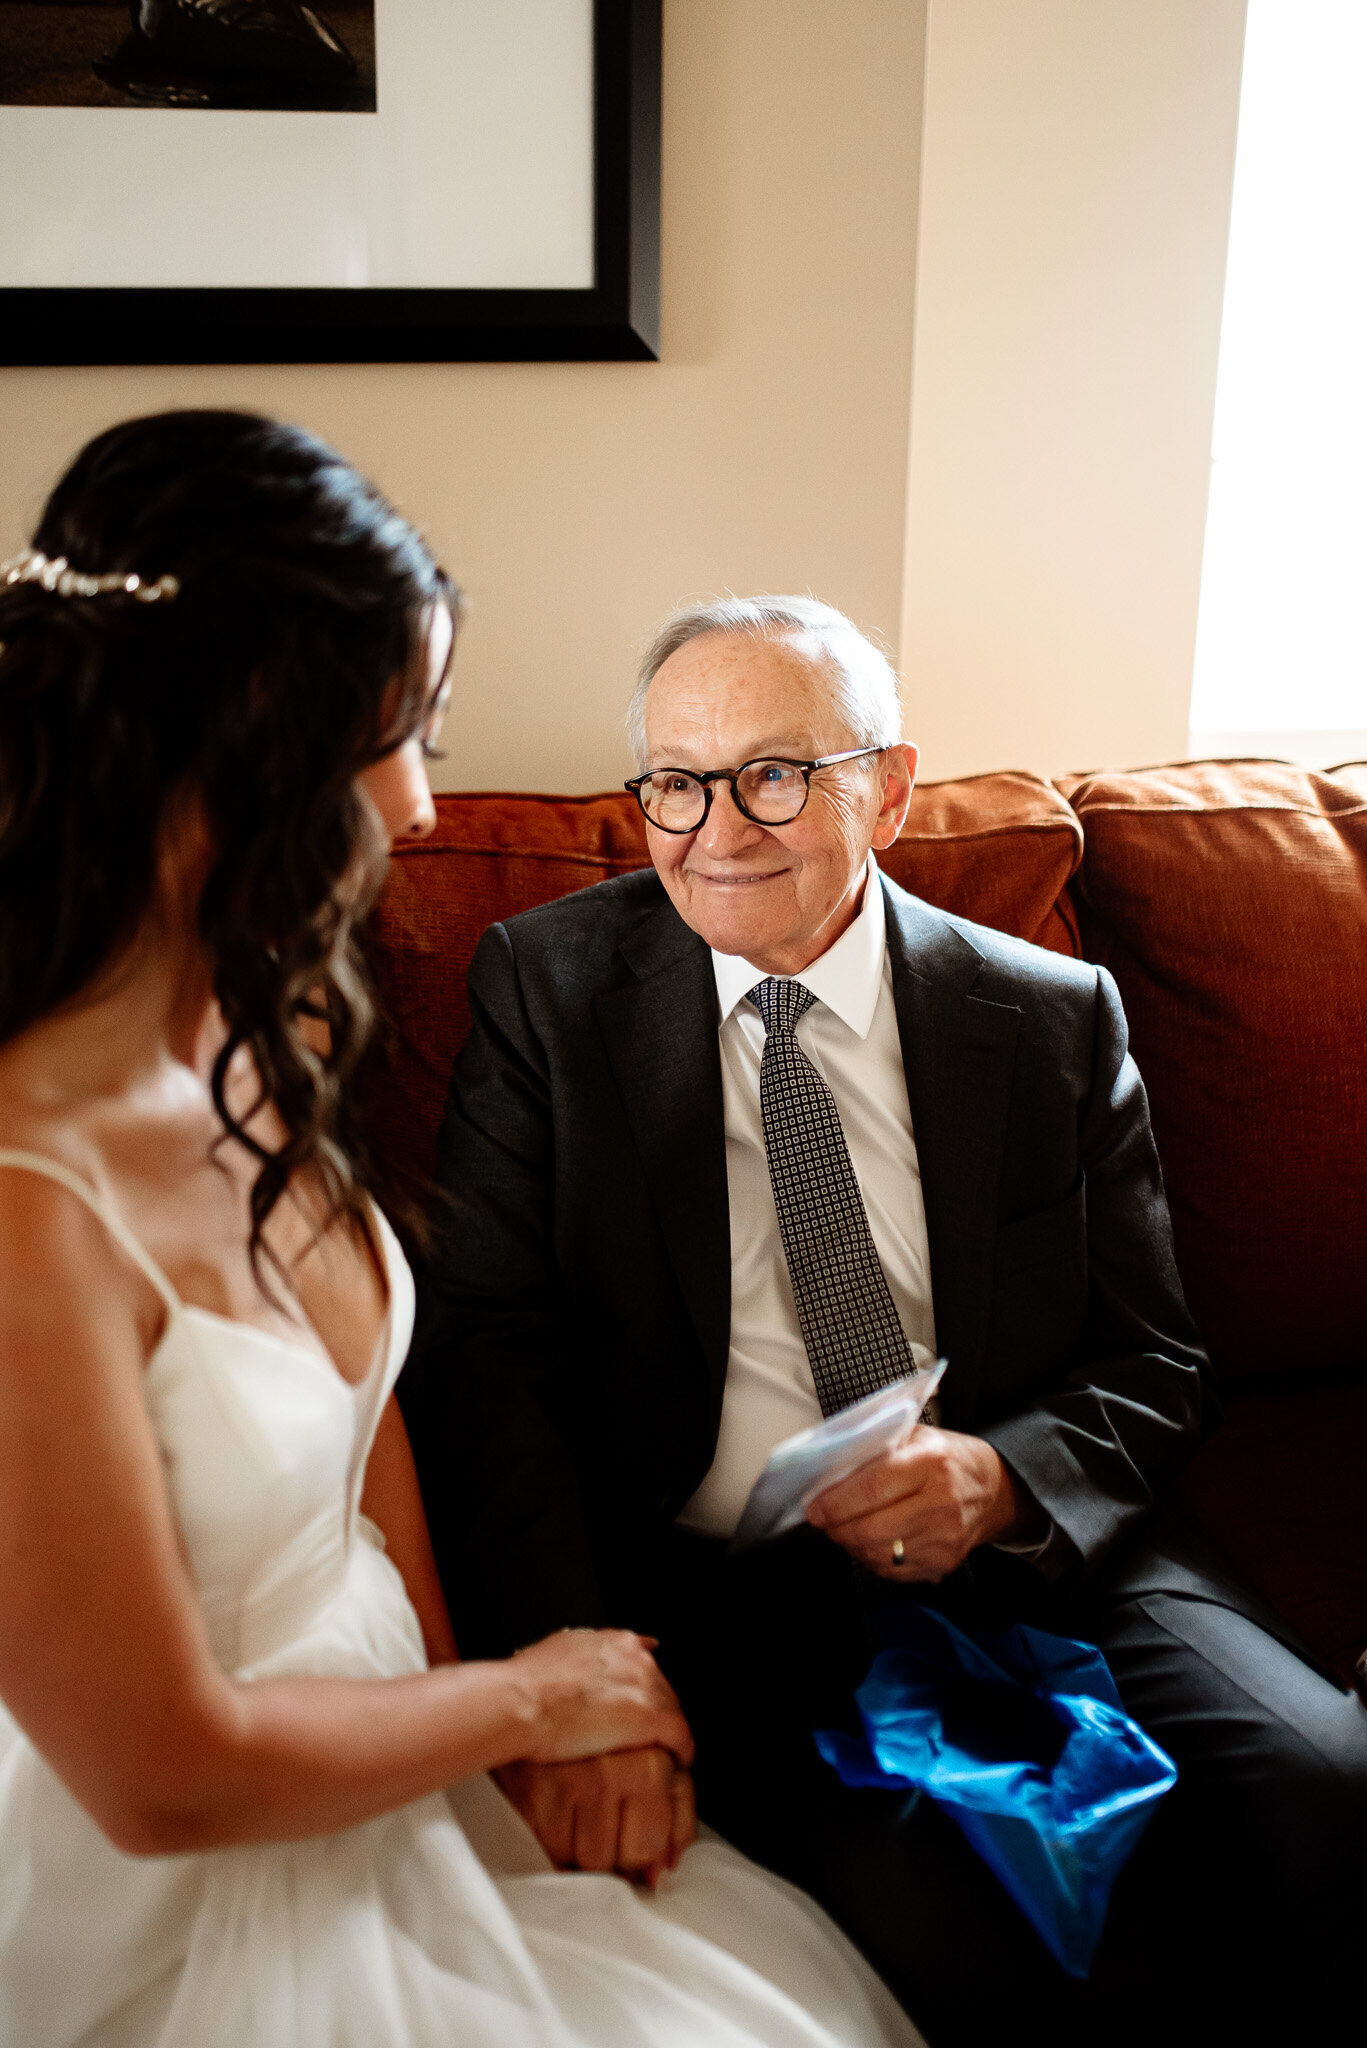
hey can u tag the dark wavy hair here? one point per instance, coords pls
(293, 656)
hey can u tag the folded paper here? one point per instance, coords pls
(804, 1465)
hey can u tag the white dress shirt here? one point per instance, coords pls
(850, 1037)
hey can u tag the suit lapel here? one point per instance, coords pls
(660, 1033)
(958, 1052)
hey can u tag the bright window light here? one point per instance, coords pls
(1281, 645)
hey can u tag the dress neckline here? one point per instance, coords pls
(316, 1353)
(177, 1309)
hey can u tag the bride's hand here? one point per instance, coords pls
(594, 1690)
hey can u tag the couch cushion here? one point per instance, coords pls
(489, 857)
(1229, 899)
(1279, 1486)
(995, 848)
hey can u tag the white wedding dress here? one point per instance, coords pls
(440, 1925)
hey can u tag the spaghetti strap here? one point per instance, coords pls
(52, 1169)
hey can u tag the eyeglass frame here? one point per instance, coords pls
(732, 775)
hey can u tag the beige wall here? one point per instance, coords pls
(1038, 553)
(578, 503)
(1078, 160)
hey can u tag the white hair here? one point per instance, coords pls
(864, 687)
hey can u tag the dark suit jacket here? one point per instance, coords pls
(566, 1386)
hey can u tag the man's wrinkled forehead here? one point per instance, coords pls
(764, 693)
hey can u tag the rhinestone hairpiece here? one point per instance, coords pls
(57, 575)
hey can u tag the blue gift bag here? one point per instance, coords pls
(1022, 1739)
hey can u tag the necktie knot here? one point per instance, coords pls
(781, 1003)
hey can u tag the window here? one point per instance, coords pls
(1281, 647)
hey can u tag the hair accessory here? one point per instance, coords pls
(58, 576)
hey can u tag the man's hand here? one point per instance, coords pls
(939, 1494)
(631, 1811)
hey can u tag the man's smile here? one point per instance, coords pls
(734, 881)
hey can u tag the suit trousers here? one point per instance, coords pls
(1237, 1918)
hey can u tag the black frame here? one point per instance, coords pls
(709, 777)
(616, 320)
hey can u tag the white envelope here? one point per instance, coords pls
(804, 1465)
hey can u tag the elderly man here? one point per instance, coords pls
(737, 1139)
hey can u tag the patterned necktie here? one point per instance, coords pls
(849, 1325)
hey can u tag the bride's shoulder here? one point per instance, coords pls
(61, 1267)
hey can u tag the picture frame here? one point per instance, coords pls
(615, 317)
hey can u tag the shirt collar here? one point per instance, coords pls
(847, 977)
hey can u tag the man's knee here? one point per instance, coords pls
(1271, 1756)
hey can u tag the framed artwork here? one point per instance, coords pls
(247, 181)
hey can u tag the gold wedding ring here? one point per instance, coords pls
(898, 1554)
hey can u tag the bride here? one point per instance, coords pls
(244, 1799)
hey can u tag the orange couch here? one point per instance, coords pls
(1229, 899)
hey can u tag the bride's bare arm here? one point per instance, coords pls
(392, 1500)
(104, 1657)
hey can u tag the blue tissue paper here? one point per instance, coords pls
(1022, 1739)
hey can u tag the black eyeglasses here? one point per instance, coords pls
(770, 791)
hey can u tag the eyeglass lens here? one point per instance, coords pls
(772, 792)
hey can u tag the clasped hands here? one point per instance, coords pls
(937, 1496)
(631, 1811)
